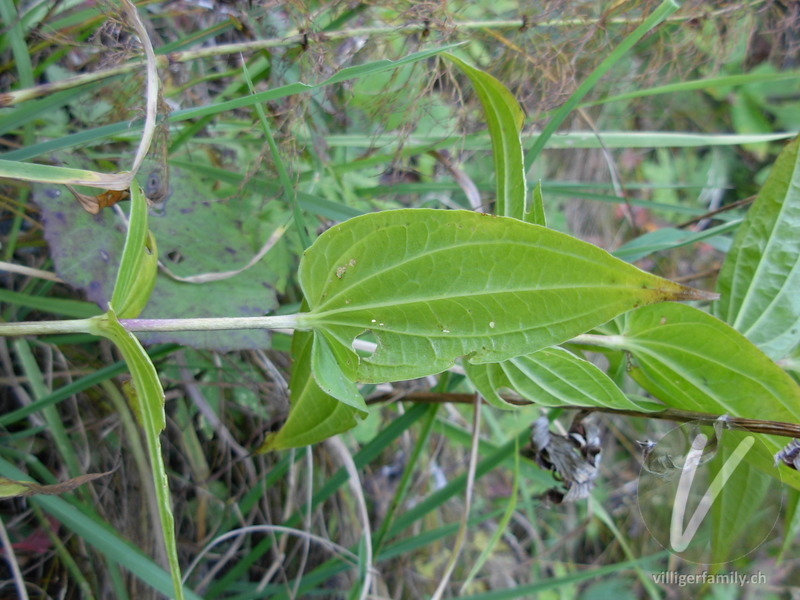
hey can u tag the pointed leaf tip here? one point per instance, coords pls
(690, 293)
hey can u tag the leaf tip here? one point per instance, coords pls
(690, 293)
(268, 445)
(676, 292)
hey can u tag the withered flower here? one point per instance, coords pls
(573, 458)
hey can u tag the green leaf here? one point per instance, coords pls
(693, 361)
(150, 397)
(49, 174)
(536, 214)
(568, 140)
(435, 285)
(139, 264)
(330, 378)
(760, 278)
(549, 377)
(80, 309)
(667, 238)
(314, 415)
(504, 118)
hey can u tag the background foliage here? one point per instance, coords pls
(647, 152)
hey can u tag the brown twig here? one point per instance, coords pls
(791, 430)
(727, 207)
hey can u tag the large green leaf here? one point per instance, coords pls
(760, 280)
(693, 361)
(504, 118)
(436, 285)
(314, 415)
(549, 377)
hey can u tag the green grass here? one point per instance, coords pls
(319, 133)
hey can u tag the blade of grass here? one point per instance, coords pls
(698, 84)
(78, 309)
(668, 238)
(313, 204)
(100, 537)
(567, 140)
(15, 35)
(55, 425)
(13, 119)
(501, 526)
(64, 554)
(647, 581)
(283, 175)
(530, 590)
(16, 38)
(107, 131)
(408, 472)
(469, 491)
(333, 567)
(367, 454)
(79, 385)
(663, 10)
(457, 485)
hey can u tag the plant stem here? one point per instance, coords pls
(211, 323)
(45, 327)
(144, 325)
(614, 342)
(779, 428)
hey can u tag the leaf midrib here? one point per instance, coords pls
(394, 303)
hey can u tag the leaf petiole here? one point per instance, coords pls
(144, 325)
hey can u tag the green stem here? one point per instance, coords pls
(45, 327)
(613, 342)
(145, 325)
(212, 323)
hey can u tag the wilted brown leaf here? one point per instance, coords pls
(11, 488)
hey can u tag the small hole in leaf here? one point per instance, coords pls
(175, 257)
